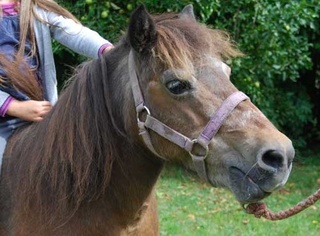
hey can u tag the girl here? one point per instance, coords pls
(28, 84)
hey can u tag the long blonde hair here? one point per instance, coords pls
(25, 80)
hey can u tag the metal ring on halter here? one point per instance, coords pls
(139, 112)
(199, 157)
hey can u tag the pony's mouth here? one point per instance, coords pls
(244, 187)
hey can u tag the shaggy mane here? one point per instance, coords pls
(73, 148)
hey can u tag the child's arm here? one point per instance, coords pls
(76, 36)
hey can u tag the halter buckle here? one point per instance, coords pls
(198, 157)
(139, 111)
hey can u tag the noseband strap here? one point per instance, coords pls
(151, 123)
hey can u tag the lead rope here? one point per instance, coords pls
(261, 210)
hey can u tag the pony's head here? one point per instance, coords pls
(180, 69)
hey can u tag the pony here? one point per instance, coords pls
(163, 94)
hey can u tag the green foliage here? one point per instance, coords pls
(277, 37)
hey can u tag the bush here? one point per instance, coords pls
(279, 38)
(276, 37)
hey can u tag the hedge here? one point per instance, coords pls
(281, 41)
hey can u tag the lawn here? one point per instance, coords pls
(188, 206)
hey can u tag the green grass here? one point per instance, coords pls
(188, 206)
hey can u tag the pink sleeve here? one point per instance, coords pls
(104, 46)
(5, 105)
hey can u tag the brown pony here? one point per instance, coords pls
(89, 168)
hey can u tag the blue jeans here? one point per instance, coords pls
(7, 127)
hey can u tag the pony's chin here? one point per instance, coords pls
(244, 188)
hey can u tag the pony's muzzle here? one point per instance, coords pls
(276, 164)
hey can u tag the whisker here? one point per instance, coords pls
(252, 167)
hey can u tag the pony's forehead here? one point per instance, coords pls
(209, 61)
(215, 61)
(219, 65)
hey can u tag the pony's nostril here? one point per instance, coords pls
(273, 159)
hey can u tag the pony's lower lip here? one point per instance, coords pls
(244, 187)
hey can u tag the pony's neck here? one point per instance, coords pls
(133, 179)
(135, 172)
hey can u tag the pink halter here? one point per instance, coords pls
(175, 137)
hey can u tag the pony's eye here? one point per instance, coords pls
(178, 87)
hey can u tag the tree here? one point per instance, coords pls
(280, 72)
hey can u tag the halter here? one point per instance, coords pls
(203, 140)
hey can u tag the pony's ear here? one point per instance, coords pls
(142, 31)
(187, 12)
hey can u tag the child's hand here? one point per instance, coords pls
(29, 110)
